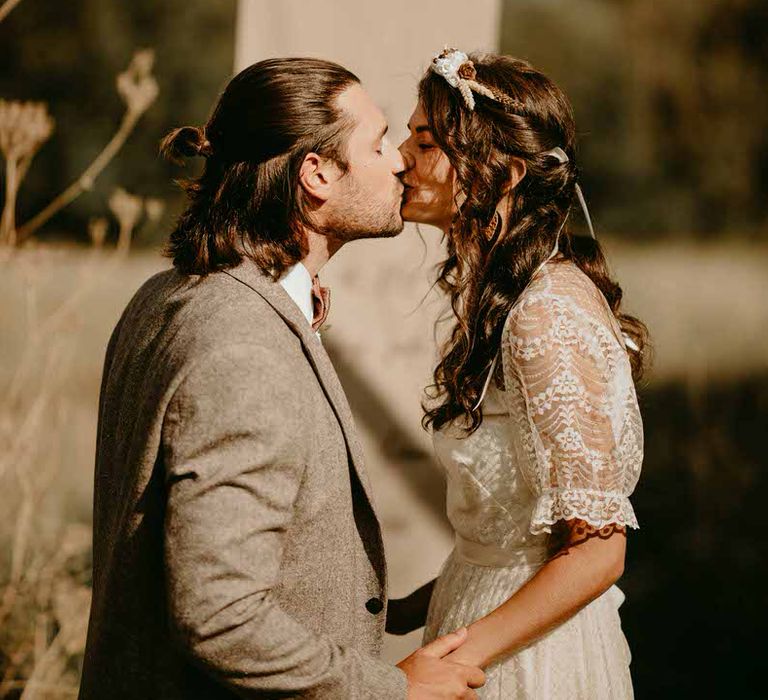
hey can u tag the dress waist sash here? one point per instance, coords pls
(495, 556)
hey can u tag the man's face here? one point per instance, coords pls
(366, 200)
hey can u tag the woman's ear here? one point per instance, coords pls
(318, 176)
(517, 172)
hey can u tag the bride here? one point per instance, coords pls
(533, 411)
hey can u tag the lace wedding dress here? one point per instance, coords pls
(561, 439)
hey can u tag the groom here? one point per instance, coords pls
(236, 549)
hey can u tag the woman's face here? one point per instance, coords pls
(429, 178)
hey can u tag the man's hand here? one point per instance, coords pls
(430, 677)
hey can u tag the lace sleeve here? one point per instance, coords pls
(569, 387)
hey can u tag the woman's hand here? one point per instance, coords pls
(407, 614)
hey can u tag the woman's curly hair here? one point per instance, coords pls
(485, 274)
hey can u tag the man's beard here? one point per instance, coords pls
(360, 215)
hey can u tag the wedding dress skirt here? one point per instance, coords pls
(586, 658)
(561, 439)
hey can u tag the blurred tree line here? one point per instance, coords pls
(671, 107)
(669, 98)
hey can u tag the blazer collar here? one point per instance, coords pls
(273, 293)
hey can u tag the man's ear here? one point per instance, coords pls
(318, 175)
(516, 173)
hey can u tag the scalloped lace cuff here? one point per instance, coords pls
(597, 508)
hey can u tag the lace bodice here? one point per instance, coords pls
(561, 439)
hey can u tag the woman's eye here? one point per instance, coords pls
(425, 146)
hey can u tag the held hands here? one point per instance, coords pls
(432, 677)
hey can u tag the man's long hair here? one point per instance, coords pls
(248, 200)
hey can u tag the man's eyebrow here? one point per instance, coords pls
(419, 129)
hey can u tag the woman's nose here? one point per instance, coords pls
(406, 154)
(400, 165)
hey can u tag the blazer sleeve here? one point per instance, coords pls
(233, 467)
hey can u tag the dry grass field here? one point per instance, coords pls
(695, 569)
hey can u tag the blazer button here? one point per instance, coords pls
(374, 606)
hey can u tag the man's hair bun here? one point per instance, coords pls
(185, 142)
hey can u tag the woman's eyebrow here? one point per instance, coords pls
(419, 129)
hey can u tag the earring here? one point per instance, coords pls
(491, 230)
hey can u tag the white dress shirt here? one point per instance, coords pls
(297, 282)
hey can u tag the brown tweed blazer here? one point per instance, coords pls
(236, 548)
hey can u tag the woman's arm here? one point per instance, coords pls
(568, 382)
(588, 565)
(407, 614)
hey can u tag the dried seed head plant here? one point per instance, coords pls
(44, 585)
(155, 208)
(45, 575)
(136, 85)
(45, 581)
(97, 231)
(6, 7)
(138, 89)
(127, 209)
(24, 128)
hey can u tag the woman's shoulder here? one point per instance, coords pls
(562, 278)
(559, 290)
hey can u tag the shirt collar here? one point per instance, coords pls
(298, 284)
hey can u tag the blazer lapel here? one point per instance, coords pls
(273, 293)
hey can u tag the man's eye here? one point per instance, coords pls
(425, 146)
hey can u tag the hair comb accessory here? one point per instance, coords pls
(447, 64)
(460, 73)
(562, 157)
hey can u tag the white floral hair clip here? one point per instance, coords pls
(459, 72)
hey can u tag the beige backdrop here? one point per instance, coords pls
(377, 285)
